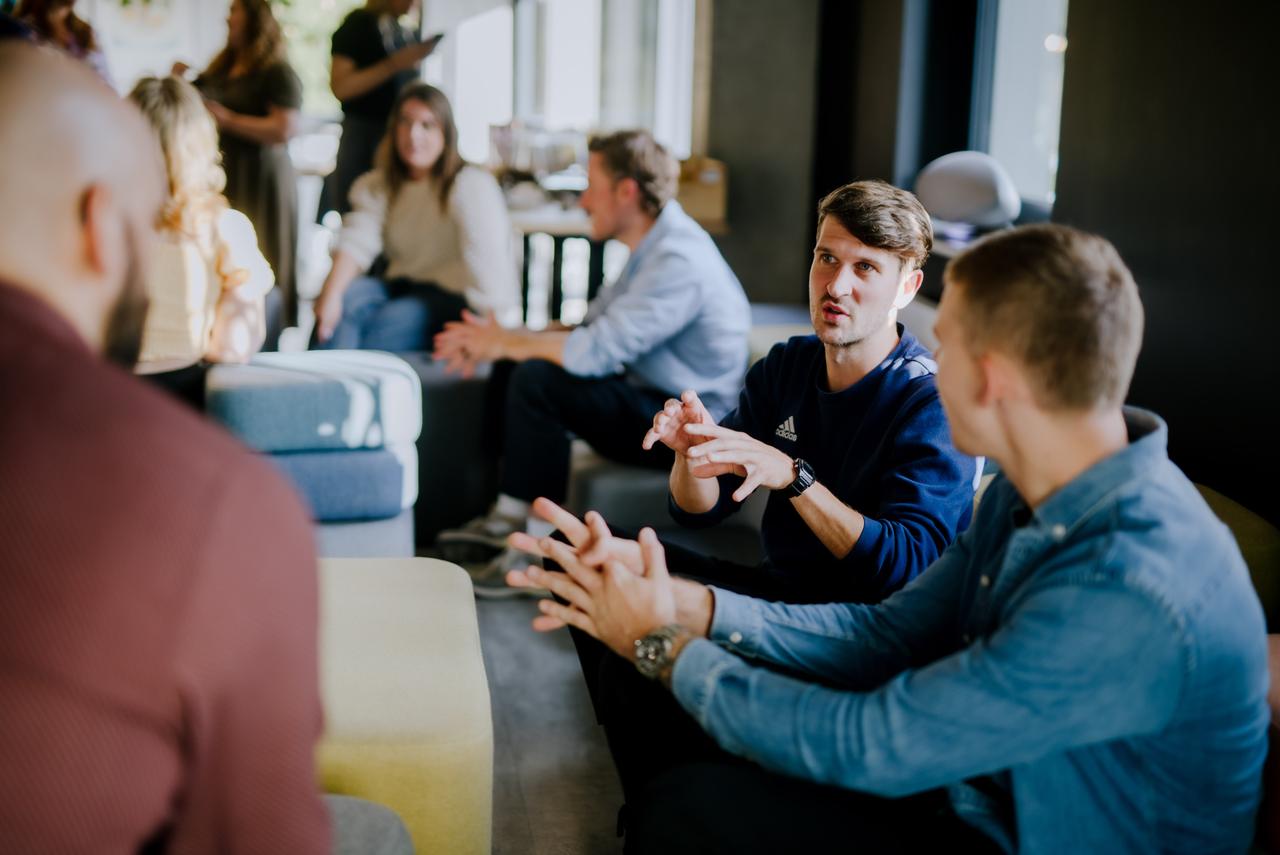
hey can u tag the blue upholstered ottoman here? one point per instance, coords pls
(341, 426)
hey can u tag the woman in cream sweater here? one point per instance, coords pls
(207, 278)
(442, 226)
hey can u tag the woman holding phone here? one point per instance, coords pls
(373, 58)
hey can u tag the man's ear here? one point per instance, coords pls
(101, 237)
(1003, 379)
(908, 289)
(627, 190)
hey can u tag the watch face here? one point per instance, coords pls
(652, 651)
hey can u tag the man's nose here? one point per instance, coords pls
(841, 285)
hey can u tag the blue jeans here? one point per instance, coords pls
(397, 316)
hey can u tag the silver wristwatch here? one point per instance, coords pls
(653, 652)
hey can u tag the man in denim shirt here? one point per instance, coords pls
(1083, 671)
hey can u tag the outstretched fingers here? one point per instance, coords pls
(567, 616)
(588, 578)
(655, 559)
(565, 522)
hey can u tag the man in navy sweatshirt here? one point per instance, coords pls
(844, 427)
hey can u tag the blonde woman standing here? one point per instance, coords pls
(207, 279)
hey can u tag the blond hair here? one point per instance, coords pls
(189, 139)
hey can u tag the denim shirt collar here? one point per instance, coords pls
(1088, 491)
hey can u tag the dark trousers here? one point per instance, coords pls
(543, 406)
(185, 384)
(684, 794)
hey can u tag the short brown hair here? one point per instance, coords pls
(1061, 302)
(638, 156)
(883, 217)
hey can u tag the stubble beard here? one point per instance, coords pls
(122, 339)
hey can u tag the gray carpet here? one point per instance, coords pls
(555, 791)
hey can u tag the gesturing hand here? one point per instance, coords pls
(722, 450)
(462, 344)
(589, 537)
(408, 57)
(611, 602)
(669, 424)
(328, 312)
(595, 546)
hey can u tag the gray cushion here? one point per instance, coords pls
(389, 538)
(317, 400)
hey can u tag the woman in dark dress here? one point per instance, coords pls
(55, 22)
(373, 58)
(254, 96)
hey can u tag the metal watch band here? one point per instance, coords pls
(804, 478)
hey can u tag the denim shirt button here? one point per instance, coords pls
(1059, 531)
(735, 638)
(985, 581)
(967, 638)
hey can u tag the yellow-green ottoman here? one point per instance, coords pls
(407, 720)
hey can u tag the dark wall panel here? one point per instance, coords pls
(1169, 149)
(761, 123)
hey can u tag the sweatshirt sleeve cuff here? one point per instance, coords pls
(869, 542)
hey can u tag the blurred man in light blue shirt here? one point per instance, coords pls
(676, 319)
(1084, 670)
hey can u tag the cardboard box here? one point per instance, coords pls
(704, 192)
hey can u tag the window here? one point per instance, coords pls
(1026, 93)
(606, 64)
(474, 66)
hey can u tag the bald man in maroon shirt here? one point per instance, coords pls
(158, 602)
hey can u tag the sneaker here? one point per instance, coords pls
(478, 540)
(490, 579)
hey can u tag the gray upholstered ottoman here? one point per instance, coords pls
(342, 427)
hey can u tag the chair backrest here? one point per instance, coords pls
(1259, 543)
(969, 187)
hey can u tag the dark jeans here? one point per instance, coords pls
(543, 406)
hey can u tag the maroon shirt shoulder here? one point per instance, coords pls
(158, 620)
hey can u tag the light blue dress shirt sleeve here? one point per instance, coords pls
(661, 298)
(999, 702)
